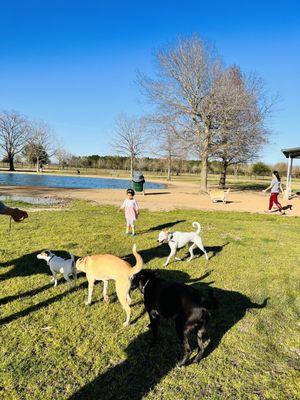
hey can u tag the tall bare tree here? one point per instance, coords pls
(184, 86)
(129, 138)
(41, 140)
(242, 109)
(14, 134)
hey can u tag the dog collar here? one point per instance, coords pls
(50, 259)
(170, 238)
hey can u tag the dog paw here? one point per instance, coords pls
(106, 299)
(87, 303)
(126, 323)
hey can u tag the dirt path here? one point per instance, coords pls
(179, 195)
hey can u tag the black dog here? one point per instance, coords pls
(172, 299)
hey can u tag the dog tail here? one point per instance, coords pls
(139, 261)
(73, 259)
(198, 226)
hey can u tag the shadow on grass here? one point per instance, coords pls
(40, 305)
(163, 226)
(30, 293)
(145, 366)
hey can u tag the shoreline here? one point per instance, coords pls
(175, 196)
(163, 182)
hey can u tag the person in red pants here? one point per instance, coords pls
(275, 187)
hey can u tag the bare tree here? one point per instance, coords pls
(184, 86)
(240, 119)
(166, 139)
(129, 138)
(63, 156)
(41, 140)
(14, 134)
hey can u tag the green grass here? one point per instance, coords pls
(55, 347)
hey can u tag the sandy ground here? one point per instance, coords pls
(179, 195)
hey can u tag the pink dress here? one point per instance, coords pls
(131, 209)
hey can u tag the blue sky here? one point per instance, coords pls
(73, 63)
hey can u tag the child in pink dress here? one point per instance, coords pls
(131, 211)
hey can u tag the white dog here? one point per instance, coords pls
(177, 240)
(59, 265)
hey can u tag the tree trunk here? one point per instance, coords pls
(11, 162)
(169, 168)
(222, 181)
(204, 162)
(37, 165)
(131, 167)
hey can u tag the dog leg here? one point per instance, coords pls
(75, 277)
(122, 293)
(201, 247)
(199, 355)
(186, 347)
(128, 298)
(154, 320)
(66, 276)
(90, 292)
(193, 246)
(172, 254)
(104, 292)
(54, 278)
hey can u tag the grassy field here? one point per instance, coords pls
(55, 347)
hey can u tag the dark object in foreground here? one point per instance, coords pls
(173, 299)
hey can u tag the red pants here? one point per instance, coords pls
(274, 199)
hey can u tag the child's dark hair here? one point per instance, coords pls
(130, 191)
(276, 173)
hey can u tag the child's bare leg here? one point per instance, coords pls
(132, 228)
(127, 227)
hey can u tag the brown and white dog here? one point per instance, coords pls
(104, 267)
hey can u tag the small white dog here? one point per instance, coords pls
(59, 265)
(177, 240)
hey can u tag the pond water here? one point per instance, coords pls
(45, 201)
(69, 182)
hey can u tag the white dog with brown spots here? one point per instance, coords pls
(105, 267)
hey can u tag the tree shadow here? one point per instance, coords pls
(40, 305)
(29, 293)
(145, 366)
(163, 226)
(28, 264)
(155, 193)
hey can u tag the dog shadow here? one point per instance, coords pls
(145, 366)
(288, 207)
(28, 264)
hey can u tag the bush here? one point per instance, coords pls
(261, 169)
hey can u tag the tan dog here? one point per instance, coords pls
(219, 195)
(104, 267)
